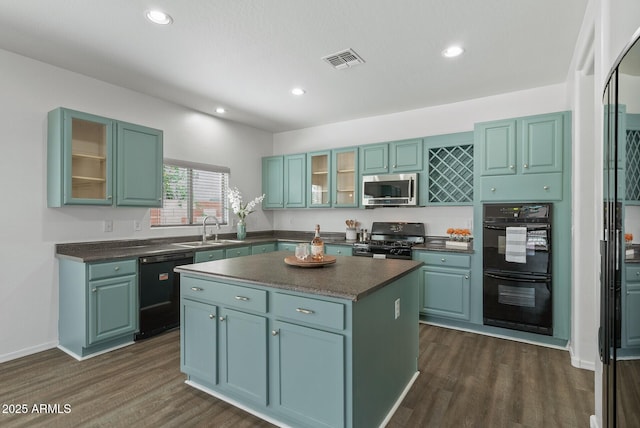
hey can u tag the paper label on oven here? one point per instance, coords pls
(379, 256)
(163, 277)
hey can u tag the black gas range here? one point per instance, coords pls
(390, 240)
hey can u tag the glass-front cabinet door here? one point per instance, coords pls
(90, 159)
(345, 177)
(319, 168)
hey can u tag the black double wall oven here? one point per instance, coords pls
(517, 267)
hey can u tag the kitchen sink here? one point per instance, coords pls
(200, 244)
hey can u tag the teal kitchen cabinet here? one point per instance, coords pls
(237, 252)
(295, 189)
(287, 246)
(92, 160)
(199, 340)
(273, 182)
(208, 255)
(333, 178)
(263, 248)
(631, 303)
(224, 337)
(393, 157)
(445, 284)
(527, 145)
(449, 170)
(310, 374)
(243, 354)
(337, 250)
(139, 166)
(284, 181)
(522, 159)
(98, 307)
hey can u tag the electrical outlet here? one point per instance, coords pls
(397, 308)
(137, 227)
(108, 226)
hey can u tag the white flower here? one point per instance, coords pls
(242, 211)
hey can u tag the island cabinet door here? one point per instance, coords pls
(309, 374)
(243, 354)
(198, 336)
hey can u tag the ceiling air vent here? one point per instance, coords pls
(343, 59)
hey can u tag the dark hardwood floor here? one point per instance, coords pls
(466, 380)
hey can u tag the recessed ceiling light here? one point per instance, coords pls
(221, 110)
(159, 17)
(298, 91)
(452, 51)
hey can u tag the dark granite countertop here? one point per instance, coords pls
(126, 249)
(349, 278)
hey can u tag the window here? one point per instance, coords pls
(191, 191)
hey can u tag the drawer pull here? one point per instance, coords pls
(305, 311)
(493, 189)
(197, 289)
(546, 187)
(117, 268)
(443, 260)
(638, 273)
(244, 299)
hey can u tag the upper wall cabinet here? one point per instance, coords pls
(333, 178)
(89, 157)
(394, 157)
(521, 146)
(284, 181)
(522, 158)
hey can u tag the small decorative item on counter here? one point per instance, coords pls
(628, 237)
(242, 210)
(302, 251)
(317, 246)
(459, 238)
(352, 231)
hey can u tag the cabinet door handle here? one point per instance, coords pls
(274, 332)
(526, 165)
(394, 166)
(545, 187)
(244, 299)
(493, 189)
(94, 290)
(511, 167)
(109, 197)
(638, 273)
(305, 311)
(222, 318)
(211, 316)
(466, 277)
(196, 289)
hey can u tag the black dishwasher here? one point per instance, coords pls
(159, 292)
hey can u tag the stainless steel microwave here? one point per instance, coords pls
(390, 190)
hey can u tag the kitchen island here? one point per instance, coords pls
(335, 346)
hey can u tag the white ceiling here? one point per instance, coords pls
(246, 55)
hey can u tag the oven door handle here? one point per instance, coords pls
(528, 226)
(518, 279)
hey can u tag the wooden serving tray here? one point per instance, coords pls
(293, 261)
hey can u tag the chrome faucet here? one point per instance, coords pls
(204, 228)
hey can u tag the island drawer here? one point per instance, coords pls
(225, 294)
(111, 269)
(443, 259)
(310, 311)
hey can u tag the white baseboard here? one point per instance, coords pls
(581, 364)
(593, 422)
(86, 357)
(399, 400)
(27, 351)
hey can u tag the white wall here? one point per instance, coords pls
(445, 119)
(29, 230)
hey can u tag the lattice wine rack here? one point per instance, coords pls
(451, 174)
(633, 165)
